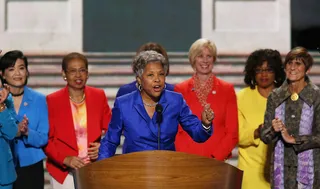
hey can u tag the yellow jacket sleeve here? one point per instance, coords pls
(246, 131)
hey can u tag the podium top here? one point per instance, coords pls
(158, 169)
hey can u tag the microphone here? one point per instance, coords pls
(159, 110)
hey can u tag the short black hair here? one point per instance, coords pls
(71, 56)
(1, 81)
(9, 59)
(256, 59)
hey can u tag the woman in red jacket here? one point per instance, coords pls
(205, 88)
(78, 114)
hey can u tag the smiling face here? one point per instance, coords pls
(204, 62)
(152, 81)
(76, 74)
(16, 76)
(295, 70)
(264, 76)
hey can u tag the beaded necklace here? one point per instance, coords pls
(202, 91)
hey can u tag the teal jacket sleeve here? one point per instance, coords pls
(8, 126)
(38, 133)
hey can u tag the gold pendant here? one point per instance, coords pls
(294, 97)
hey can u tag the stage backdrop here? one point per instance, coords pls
(122, 26)
(59, 26)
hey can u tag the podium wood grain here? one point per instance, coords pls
(158, 169)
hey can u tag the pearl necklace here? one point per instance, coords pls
(150, 105)
(78, 102)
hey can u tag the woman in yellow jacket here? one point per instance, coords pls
(263, 72)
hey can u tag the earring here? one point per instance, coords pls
(253, 82)
(139, 87)
(275, 81)
(65, 78)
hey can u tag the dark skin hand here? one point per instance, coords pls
(256, 133)
(74, 162)
(93, 151)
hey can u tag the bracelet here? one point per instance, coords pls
(2, 107)
(205, 127)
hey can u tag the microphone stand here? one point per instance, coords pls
(159, 129)
(159, 109)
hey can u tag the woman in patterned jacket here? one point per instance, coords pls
(292, 126)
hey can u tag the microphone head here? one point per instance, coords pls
(159, 108)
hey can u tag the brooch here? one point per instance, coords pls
(294, 97)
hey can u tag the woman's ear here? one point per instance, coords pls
(138, 80)
(308, 71)
(138, 84)
(64, 75)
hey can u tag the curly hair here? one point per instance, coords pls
(145, 57)
(152, 46)
(256, 59)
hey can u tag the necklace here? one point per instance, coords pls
(15, 95)
(150, 105)
(202, 91)
(78, 102)
(294, 96)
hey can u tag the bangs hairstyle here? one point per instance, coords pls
(300, 53)
(73, 56)
(256, 59)
(9, 60)
(145, 57)
(196, 49)
(154, 47)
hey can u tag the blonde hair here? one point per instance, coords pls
(196, 49)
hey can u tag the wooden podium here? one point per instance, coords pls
(158, 169)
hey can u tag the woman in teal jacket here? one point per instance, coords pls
(30, 105)
(8, 130)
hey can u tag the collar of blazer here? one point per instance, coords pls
(138, 104)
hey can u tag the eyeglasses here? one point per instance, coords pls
(268, 70)
(75, 71)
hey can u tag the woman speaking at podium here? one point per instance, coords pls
(149, 117)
